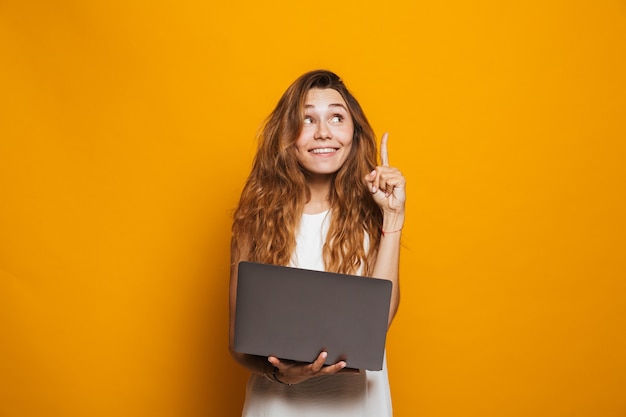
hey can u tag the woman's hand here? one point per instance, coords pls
(387, 184)
(289, 372)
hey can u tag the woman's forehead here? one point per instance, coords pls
(324, 97)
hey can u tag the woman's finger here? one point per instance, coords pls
(317, 365)
(384, 155)
(334, 368)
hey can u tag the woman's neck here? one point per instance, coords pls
(319, 187)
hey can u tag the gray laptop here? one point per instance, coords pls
(296, 313)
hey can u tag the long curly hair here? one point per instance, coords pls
(275, 193)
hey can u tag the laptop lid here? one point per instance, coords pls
(296, 313)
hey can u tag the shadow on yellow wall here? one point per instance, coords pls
(127, 130)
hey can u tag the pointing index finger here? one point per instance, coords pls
(384, 155)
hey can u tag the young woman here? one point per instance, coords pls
(316, 198)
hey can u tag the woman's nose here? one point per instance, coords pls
(322, 131)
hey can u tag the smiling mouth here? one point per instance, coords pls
(323, 150)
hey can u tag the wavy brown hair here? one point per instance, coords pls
(273, 198)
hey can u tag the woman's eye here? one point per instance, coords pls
(336, 118)
(308, 120)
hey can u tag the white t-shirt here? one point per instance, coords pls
(366, 394)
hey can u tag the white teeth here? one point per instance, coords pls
(323, 150)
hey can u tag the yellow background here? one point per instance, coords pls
(127, 130)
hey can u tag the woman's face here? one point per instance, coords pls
(326, 138)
